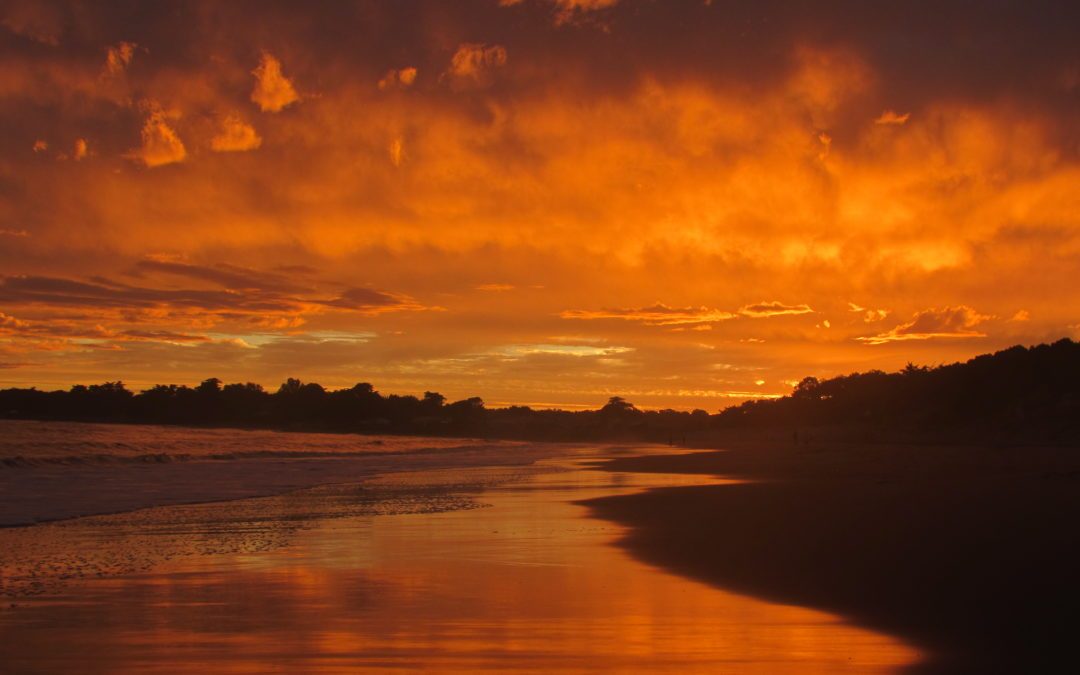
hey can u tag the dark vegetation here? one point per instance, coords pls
(1019, 394)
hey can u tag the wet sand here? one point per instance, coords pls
(971, 554)
(453, 570)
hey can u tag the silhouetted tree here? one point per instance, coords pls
(1030, 393)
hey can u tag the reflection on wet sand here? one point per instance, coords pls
(529, 583)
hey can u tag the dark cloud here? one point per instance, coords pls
(945, 322)
(767, 309)
(370, 300)
(256, 299)
(54, 291)
(225, 275)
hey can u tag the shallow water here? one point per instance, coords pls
(56, 471)
(32, 443)
(480, 569)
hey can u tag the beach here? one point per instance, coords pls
(967, 553)
(109, 468)
(482, 565)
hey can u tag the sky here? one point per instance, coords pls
(540, 202)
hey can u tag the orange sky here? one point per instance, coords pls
(543, 201)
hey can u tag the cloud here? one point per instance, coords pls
(395, 79)
(11, 323)
(49, 335)
(1021, 315)
(161, 336)
(826, 79)
(40, 145)
(891, 117)
(160, 143)
(13, 233)
(869, 315)
(235, 135)
(660, 159)
(655, 315)
(495, 288)
(273, 91)
(665, 315)
(81, 149)
(396, 151)
(768, 309)
(227, 276)
(371, 301)
(106, 312)
(947, 322)
(39, 21)
(234, 291)
(571, 11)
(103, 293)
(118, 57)
(472, 64)
(562, 349)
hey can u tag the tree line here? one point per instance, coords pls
(1019, 393)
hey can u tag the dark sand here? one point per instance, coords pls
(970, 554)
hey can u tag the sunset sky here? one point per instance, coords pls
(544, 202)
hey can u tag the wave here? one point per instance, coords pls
(35, 444)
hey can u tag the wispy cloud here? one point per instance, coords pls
(473, 63)
(946, 322)
(654, 315)
(868, 315)
(892, 118)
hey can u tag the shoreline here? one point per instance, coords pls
(967, 553)
(66, 475)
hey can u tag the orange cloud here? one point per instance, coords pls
(869, 315)
(569, 11)
(473, 63)
(890, 117)
(947, 322)
(81, 149)
(160, 143)
(641, 163)
(235, 135)
(396, 150)
(655, 315)
(273, 91)
(118, 58)
(398, 78)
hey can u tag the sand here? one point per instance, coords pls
(968, 553)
